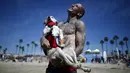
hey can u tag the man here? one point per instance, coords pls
(74, 37)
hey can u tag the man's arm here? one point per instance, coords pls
(80, 37)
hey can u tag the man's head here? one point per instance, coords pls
(76, 10)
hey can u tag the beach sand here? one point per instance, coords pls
(9, 67)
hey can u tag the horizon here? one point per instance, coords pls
(22, 19)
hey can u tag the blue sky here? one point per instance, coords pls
(22, 19)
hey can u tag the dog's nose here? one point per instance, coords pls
(45, 22)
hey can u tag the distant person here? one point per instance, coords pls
(105, 56)
(0, 56)
(86, 59)
(102, 59)
(108, 59)
(92, 60)
(128, 62)
(96, 59)
(99, 60)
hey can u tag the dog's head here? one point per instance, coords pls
(50, 18)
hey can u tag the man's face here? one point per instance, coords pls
(75, 8)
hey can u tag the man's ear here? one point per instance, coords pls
(79, 14)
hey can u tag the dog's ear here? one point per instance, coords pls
(53, 19)
(45, 21)
(48, 18)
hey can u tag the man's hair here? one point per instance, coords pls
(81, 11)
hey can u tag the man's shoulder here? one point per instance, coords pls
(60, 23)
(80, 24)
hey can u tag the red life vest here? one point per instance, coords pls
(51, 38)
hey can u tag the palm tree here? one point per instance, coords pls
(5, 50)
(106, 40)
(115, 38)
(88, 43)
(126, 42)
(17, 46)
(121, 43)
(112, 42)
(32, 46)
(20, 43)
(35, 45)
(102, 42)
(22, 48)
(0, 48)
(28, 47)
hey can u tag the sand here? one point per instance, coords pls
(9, 67)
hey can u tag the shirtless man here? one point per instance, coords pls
(74, 37)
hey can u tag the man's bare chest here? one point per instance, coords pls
(69, 28)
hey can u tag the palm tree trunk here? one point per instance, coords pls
(127, 47)
(116, 43)
(122, 50)
(102, 50)
(22, 51)
(88, 46)
(32, 49)
(26, 51)
(16, 51)
(0, 51)
(117, 49)
(106, 49)
(19, 50)
(111, 50)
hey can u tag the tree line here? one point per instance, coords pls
(114, 42)
(20, 49)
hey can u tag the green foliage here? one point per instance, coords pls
(115, 37)
(101, 42)
(106, 39)
(125, 39)
(121, 43)
(111, 41)
(0, 47)
(20, 40)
